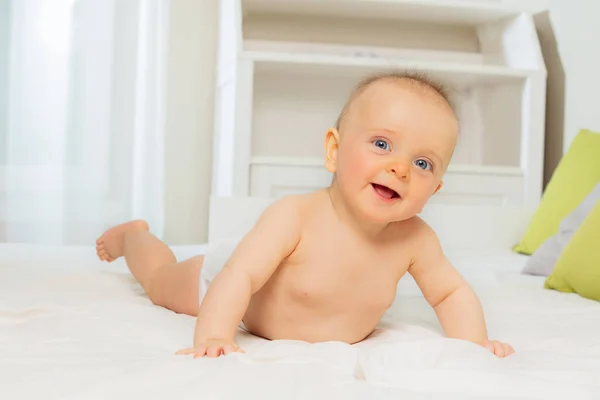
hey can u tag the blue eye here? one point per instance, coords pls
(382, 144)
(423, 164)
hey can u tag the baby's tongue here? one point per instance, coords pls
(383, 191)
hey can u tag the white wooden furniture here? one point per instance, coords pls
(286, 67)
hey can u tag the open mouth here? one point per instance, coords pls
(385, 192)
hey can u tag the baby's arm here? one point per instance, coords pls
(455, 303)
(256, 257)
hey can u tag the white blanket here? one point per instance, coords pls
(74, 328)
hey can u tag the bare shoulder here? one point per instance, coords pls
(289, 210)
(282, 224)
(285, 209)
(424, 229)
(279, 225)
(416, 229)
(425, 247)
(418, 234)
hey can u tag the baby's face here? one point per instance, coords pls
(395, 144)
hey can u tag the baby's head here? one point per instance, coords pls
(391, 146)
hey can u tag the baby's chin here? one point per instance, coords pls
(391, 217)
(400, 218)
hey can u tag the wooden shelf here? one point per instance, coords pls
(305, 64)
(464, 12)
(318, 162)
(287, 47)
(292, 63)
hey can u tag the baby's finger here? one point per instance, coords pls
(238, 349)
(228, 349)
(213, 351)
(508, 350)
(499, 349)
(185, 352)
(200, 352)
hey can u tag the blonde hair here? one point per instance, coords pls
(416, 79)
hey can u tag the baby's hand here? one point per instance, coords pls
(212, 348)
(498, 348)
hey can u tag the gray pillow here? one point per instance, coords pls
(542, 261)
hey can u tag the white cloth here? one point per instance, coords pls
(74, 328)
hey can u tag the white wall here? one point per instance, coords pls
(577, 32)
(569, 34)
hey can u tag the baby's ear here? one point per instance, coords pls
(332, 139)
(438, 188)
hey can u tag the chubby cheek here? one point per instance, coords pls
(353, 167)
(420, 193)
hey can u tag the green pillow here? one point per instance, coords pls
(575, 176)
(578, 267)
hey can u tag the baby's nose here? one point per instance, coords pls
(399, 168)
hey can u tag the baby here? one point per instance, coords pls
(325, 266)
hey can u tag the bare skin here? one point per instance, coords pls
(325, 266)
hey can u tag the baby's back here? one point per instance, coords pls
(335, 285)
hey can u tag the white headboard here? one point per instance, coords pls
(458, 227)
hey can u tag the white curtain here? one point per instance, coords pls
(81, 117)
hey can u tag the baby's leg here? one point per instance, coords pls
(167, 283)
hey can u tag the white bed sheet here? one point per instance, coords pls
(74, 328)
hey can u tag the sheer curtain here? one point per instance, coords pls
(82, 111)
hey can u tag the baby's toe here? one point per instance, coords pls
(103, 255)
(489, 346)
(501, 349)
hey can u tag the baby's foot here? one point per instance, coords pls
(109, 246)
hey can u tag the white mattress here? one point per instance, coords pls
(74, 328)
